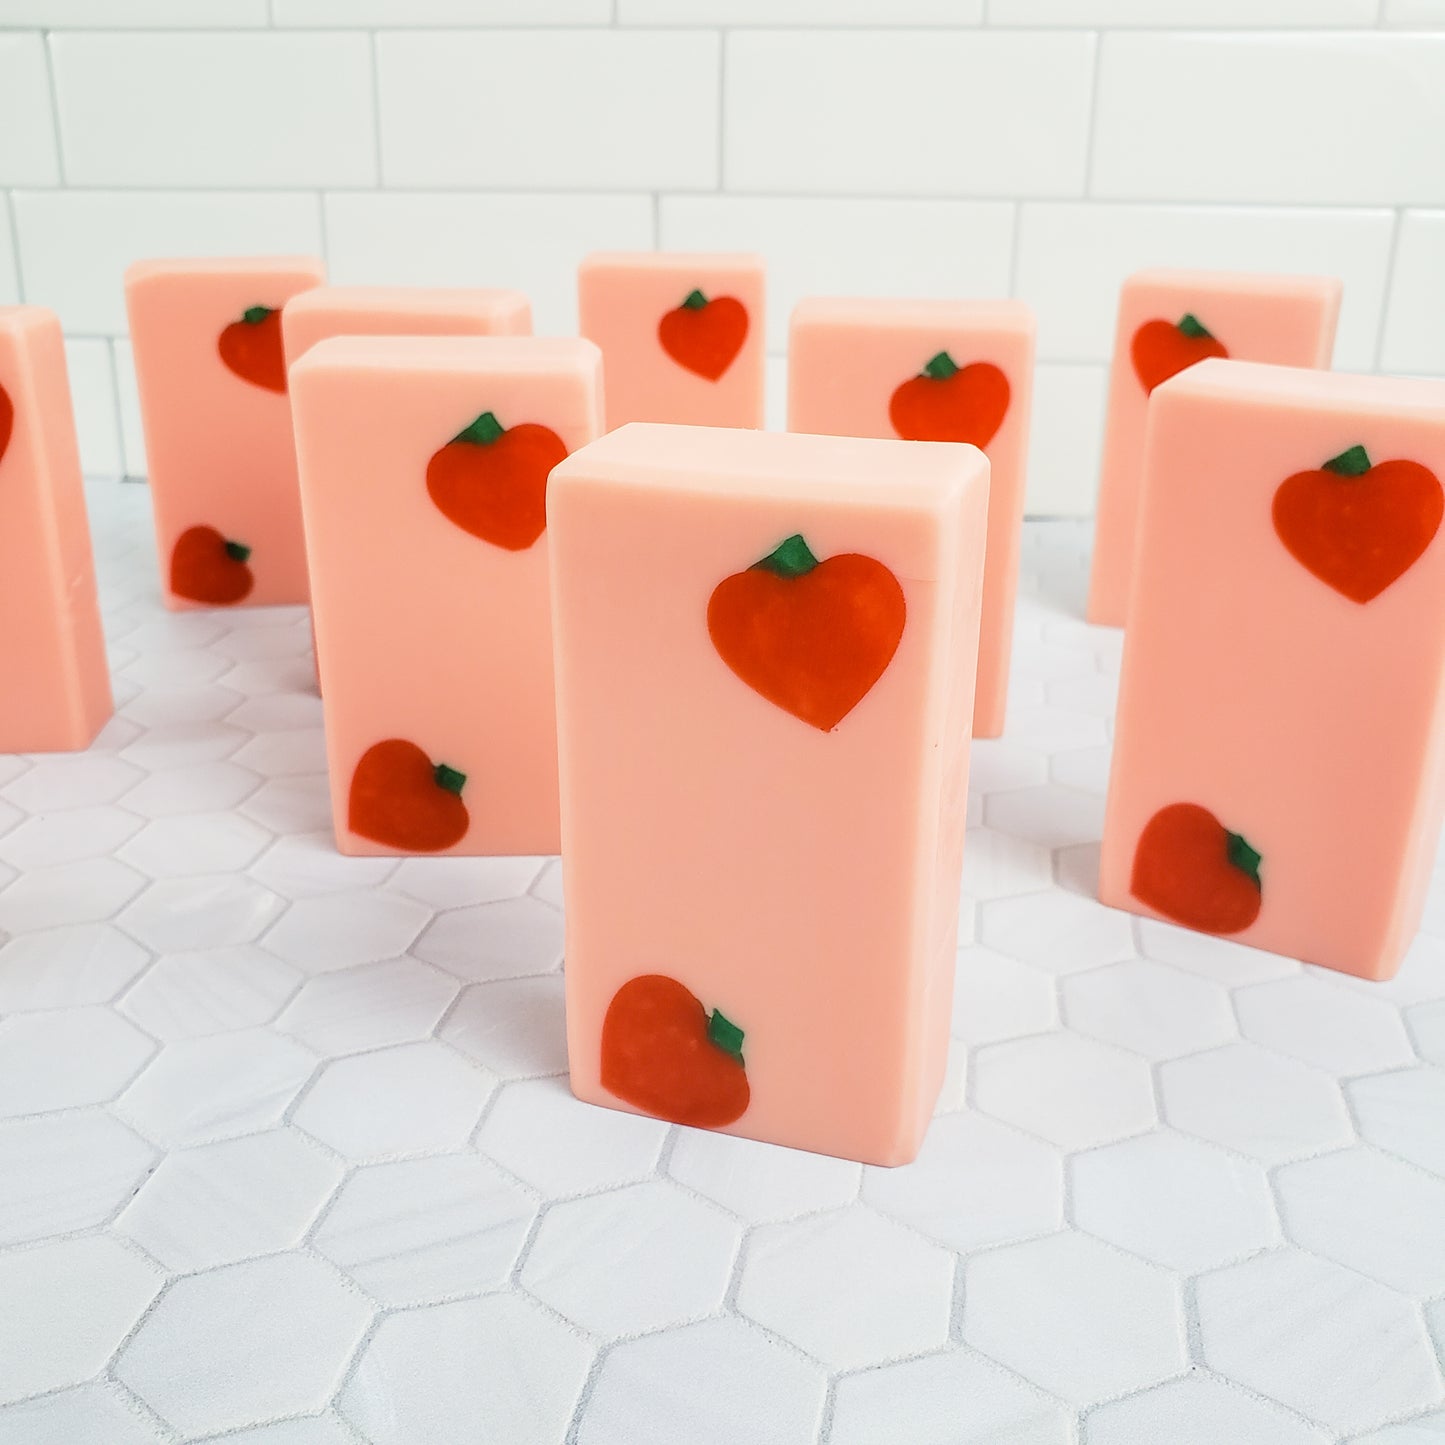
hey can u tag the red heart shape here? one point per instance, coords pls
(659, 1055)
(205, 567)
(252, 348)
(704, 336)
(1162, 349)
(812, 637)
(492, 482)
(400, 798)
(7, 420)
(1192, 869)
(949, 403)
(1359, 531)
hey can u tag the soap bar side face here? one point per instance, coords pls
(210, 368)
(935, 371)
(1281, 720)
(683, 337)
(762, 702)
(1167, 322)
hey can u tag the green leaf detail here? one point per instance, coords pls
(694, 300)
(449, 779)
(1191, 325)
(1245, 858)
(1352, 463)
(790, 558)
(725, 1034)
(482, 432)
(238, 551)
(255, 315)
(940, 367)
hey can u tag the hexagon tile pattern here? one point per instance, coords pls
(287, 1155)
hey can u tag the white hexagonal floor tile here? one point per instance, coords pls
(1318, 1022)
(975, 1182)
(179, 745)
(1423, 1430)
(420, 1231)
(1148, 1008)
(515, 1028)
(1214, 958)
(339, 930)
(850, 1288)
(1074, 1316)
(304, 865)
(1058, 932)
(1338, 1348)
(309, 1430)
(201, 702)
(205, 787)
(297, 804)
(66, 1172)
(177, 915)
(220, 1203)
(1174, 1200)
(188, 995)
(201, 1090)
(368, 1006)
(997, 866)
(1256, 1101)
(945, 1399)
(413, 1098)
(63, 1059)
(86, 892)
(194, 843)
(282, 755)
(82, 781)
(68, 1304)
(1066, 1089)
(495, 940)
(1372, 1213)
(547, 1137)
(1401, 1113)
(717, 1382)
(634, 1259)
(67, 836)
(461, 882)
(761, 1182)
(95, 1413)
(997, 997)
(245, 1344)
(499, 1368)
(67, 967)
(1051, 815)
(1197, 1410)
(1427, 1023)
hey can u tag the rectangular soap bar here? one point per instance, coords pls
(1280, 742)
(1169, 320)
(957, 371)
(325, 311)
(765, 660)
(682, 336)
(424, 465)
(52, 652)
(211, 371)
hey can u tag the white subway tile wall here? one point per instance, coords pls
(1035, 148)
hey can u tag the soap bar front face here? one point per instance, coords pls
(958, 371)
(1168, 321)
(57, 692)
(682, 336)
(761, 640)
(211, 370)
(424, 466)
(400, 311)
(1280, 740)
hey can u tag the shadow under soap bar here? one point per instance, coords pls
(1279, 749)
(765, 660)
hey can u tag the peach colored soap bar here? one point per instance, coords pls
(1169, 320)
(52, 653)
(400, 311)
(1280, 744)
(765, 658)
(958, 371)
(424, 464)
(681, 336)
(212, 377)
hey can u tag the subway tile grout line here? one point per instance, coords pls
(1091, 130)
(54, 92)
(13, 221)
(1387, 289)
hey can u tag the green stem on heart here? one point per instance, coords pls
(1191, 325)
(940, 367)
(238, 551)
(1245, 858)
(482, 432)
(725, 1034)
(790, 558)
(449, 779)
(694, 300)
(1352, 463)
(255, 315)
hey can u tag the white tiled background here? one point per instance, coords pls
(1040, 148)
